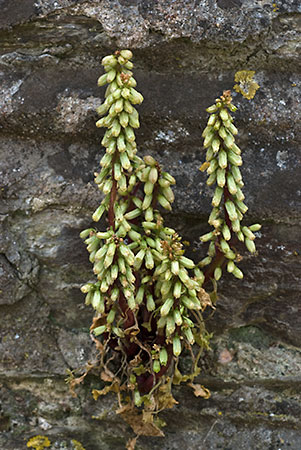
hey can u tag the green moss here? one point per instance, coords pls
(250, 335)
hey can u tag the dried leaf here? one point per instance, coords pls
(107, 375)
(74, 382)
(97, 321)
(135, 361)
(205, 299)
(147, 417)
(98, 344)
(204, 166)
(131, 443)
(114, 387)
(200, 391)
(135, 419)
(177, 378)
(165, 398)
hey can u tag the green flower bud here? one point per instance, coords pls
(149, 214)
(88, 298)
(238, 273)
(111, 75)
(224, 115)
(134, 119)
(163, 202)
(255, 227)
(86, 288)
(221, 177)
(116, 128)
(207, 237)
(211, 120)
(114, 294)
(208, 139)
(231, 210)
(186, 262)
(85, 233)
(243, 208)
(166, 307)
(139, 259)
(149, 225)
(231, 184)
(116, 96)
(131, 302)
(129, 134)
(234, 158)
(126, 54)
(211, 180)
(217, 273)
(211, 249)
(150, 304)
(222, 132)
(168, 177)
(212, 109)
(153, 175)
(230, 266)
(230, 255)
(176, 346)
(119, 105)
(236, 174)
(102, 109)
(148, 188)
(96, 299)
(149, 260)
(236, 149)
(135, 97)
(226, 232)
(250, 245)
(170, 325)
(109, 60)
(102, 80)
(121, 143)
(204, 262)
(156, 366)
(177, 289)
(217, 196)
(239, 194)
(124, 119)
(163, 356)
(140, 295)
(213, 166)
(222, 159)
(125, 162)
(207, 130)
(188, 335)
(133, 215)
(99, 330)
(236, 225)
(177, 317)
(126, 104)
(224, 246)
(229, 141)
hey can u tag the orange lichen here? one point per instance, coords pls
(77, 445)
(39, 442)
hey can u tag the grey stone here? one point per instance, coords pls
(185, 53)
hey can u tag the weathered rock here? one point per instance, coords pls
(186, 54)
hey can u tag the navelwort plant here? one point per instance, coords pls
(149, 298)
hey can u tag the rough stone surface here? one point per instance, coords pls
(185, 54)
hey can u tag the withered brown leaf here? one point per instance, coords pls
(200, 391)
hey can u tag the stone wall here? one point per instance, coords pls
(185, 54)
